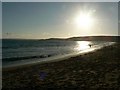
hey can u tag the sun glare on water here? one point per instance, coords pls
(82, 45)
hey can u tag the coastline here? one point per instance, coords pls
(86, 70)
(53, 59)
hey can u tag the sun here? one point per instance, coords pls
(84, 20)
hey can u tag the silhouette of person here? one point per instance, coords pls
(90, 45)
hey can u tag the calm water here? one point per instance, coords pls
(31, 51)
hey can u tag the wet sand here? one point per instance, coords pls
(99, 69)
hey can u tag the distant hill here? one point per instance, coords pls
(82, 38)
(96, 38)
(90, 38)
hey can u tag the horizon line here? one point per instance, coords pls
(64, 37)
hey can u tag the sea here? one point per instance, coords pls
(17, 52)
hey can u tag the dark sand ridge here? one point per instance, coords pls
(99, 69)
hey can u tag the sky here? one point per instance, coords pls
(41, 20)
(119, 18)
(0, 20)
(60, 0)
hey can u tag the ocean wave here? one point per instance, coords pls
(26, 57)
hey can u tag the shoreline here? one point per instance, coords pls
(98, 69)
(55, 59)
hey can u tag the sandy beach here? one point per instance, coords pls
(99, 69)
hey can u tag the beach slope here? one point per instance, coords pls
(99, 69)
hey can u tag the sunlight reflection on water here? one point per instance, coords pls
(83, 45)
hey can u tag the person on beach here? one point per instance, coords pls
(90, 45)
